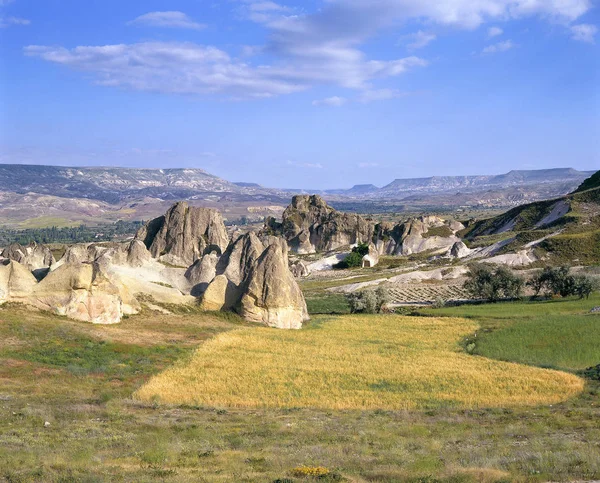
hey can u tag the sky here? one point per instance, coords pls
(312, 94)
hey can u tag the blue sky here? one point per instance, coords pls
(313, 94)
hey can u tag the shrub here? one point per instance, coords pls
(368, 301)
(315, 471)
(493, 283)
(355, 257)
(559, 281)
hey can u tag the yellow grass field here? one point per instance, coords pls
(354, 362)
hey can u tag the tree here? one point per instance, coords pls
(559, 281)
(493, 283)
(355, 257)
(368, 301)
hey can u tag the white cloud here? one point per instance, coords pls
(367, 165)
(584, 33)
(3, 3)
(420, 39)
(172, 19)
(494, 32)
(334, 101)
(305, 165)
(303, 49)
(8, 21)
(499, 47)
(188, 68)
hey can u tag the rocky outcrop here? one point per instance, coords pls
(226, 289)
(16, 281)
(101, 283)
(254, 279)
(82, 292)
(201, 273)
(427, 233)
(299, 269)
(310, 225)
(184, 234)
(371, 259)
(271, 295)
(459, 250)
(32, 256)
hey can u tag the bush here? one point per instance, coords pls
(493, 283)
(355, 257)
(368, 301)
(559, 281)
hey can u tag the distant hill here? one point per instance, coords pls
(560, 230)
(437, 184)
(67, 195)
(117, 185)
(590, 183)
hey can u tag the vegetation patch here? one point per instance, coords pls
(340, 363)
(556, 333)
(443, 231)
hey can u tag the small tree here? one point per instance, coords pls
(559, 281)
(368, 301)
(355, 257)
(493, 283)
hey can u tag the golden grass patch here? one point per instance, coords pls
(355, 362)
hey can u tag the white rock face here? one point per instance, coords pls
(33, 256)
(459, 250)
(184, 234)
(255, 280)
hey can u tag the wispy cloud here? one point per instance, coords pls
(499, 47)
(494, 32)
(368, 165)
(188, 68)
(3, 3)
(171, 19)
(304, 165)
(334, 101)
(8, 21)
(419, 39)
(584, 33)
(302, 50)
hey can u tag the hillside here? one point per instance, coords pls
(565, 229)
(590, 183)
(116, 185)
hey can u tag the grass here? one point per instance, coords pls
(327, 303)
(97, 433)
(562, 342)
(558, 333)
(47, 221)
(360, 362)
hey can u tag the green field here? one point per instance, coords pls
(560, 334)
(81, 378)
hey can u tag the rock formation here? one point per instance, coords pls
(254, 279)
(32, 256)
(184, 234)
(310, 225)
(299, 269)
(101, 283)
(372, 258)
(271, 295)
(427, 233)
(459, 250)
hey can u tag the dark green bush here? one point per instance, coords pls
(355, 257)
(559, 281)
(493, 283)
